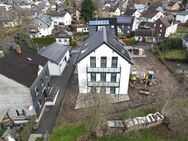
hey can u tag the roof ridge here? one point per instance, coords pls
(104, 34)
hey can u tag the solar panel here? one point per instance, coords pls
(99, 22)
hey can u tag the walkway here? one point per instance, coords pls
(50, 114)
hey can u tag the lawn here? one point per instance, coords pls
(44, 40)
(181, 31)
(174, 54)
(2, 130)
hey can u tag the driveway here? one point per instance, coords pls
(50, 114)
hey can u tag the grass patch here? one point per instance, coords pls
(2, 130)
(68, 132)
(39, 139)
(5, 50)
(174, 54)
(44, 40)
(141, 111)
(181, 31)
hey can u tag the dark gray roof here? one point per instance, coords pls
(103, 37)
(55, 52)
(143, 32)
(129, 12)
(43, 21)
(125, 20)
(183, 13)
(62, 34)
(185, 37)
(167, 20)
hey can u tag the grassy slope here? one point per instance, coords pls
(174, 54)
(44, 40)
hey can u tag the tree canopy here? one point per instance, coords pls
(87, 9)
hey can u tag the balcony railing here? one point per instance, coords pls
(100, 70)
(106, 84)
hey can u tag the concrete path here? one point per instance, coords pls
(50, 114)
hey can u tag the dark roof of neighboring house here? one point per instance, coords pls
(185, 37)
(183, 13)
(71, 10)
(146, 25)
(171, 4)
(62, 34)
(112, 3)
(143, 32)
(58, 13)
(125, 20)
(43, 21)
(24, 67)
(167, 20)
(129, 12)
(149, 13)
(55, 52)
(103, 37)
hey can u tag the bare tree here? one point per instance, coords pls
(97, 107)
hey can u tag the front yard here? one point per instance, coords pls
(174, 54)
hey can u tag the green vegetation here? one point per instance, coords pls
(68, 132)
(5, 50)
(87, 9)
(23, 38)
(44, 40)
(174, 54)
(133, 41)
(171, 43)
(141, 111)
(26, 129)
(39, 139)
(73, 42)
(181, 31)
(2, 130)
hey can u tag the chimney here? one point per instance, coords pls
(18, 49)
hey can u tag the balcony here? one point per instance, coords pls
(106, 84)
(107, 70)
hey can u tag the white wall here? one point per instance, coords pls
(156, 17)
(66, 19)
(171, 30)
(104, 51)
(182, 19)
(57, 69)
(136, 14)
(63, 41)
(82, 29)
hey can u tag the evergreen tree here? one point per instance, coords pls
(87, 9)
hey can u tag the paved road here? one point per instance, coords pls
(51, 112)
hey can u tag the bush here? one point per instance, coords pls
(44, 40)
(133, 41)
(73, 42)
(5, 50)
(26, 129)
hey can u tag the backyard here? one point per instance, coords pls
(44, 40)
(174, 54)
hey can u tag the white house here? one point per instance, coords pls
(103, 61)
(62, 38)
(182, 17)
(43, 26)
(152, 15)
(58, 57)
(61, 17)
(132, 12)
(185, 41)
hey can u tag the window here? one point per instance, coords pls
(161, 25)
(113, 77)
(41, 82)
(112, 90)
(114, 62)
(160, 30)
(17, 112)
(103, 62)
(128, 31)
(92, 62)
(36, 90)
(46, 74)
(40, 103)
(103, 77)
(154, 25)
(93, 76)
(112, 26)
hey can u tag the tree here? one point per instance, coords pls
(87, 9)
(97, 107)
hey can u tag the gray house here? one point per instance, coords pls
(24, 85)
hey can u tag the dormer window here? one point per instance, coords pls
(41, 82)
(36, 90)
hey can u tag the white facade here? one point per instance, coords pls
(82, 29)
(14, 96)
(171, 30)
(136, 14)
(57, 69)
(63, 41)
(66, 19)
(182, 18)
(122, 77)
(156, 17)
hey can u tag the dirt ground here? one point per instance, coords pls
(165, 86)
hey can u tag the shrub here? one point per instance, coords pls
(133, 41)
(5, 50)
(73, 42)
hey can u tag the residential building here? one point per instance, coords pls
(79, 28)
(42, 26)
(24, 85)
(132, 12)
(104, 61)
(165, 27)
(185, 41)
(61, 17)
(173, 6)
(75, 13)
(121, 25)
(151, 15)
(58, 57)
(62, 38)
(182, 17)
(146, 35)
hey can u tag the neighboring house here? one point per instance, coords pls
(112, 12)
(79, 28)
(111, 3)
(182, 17)
(185, 41)
(24, 85)
(75, 13)
(61, 17)
(43, 26)
(103, 61)
(165, 27)
(173, 6)
(132, 12)
(58, 56)
(151, 15)
(144, 35)
(122, 25)
(62, 38)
